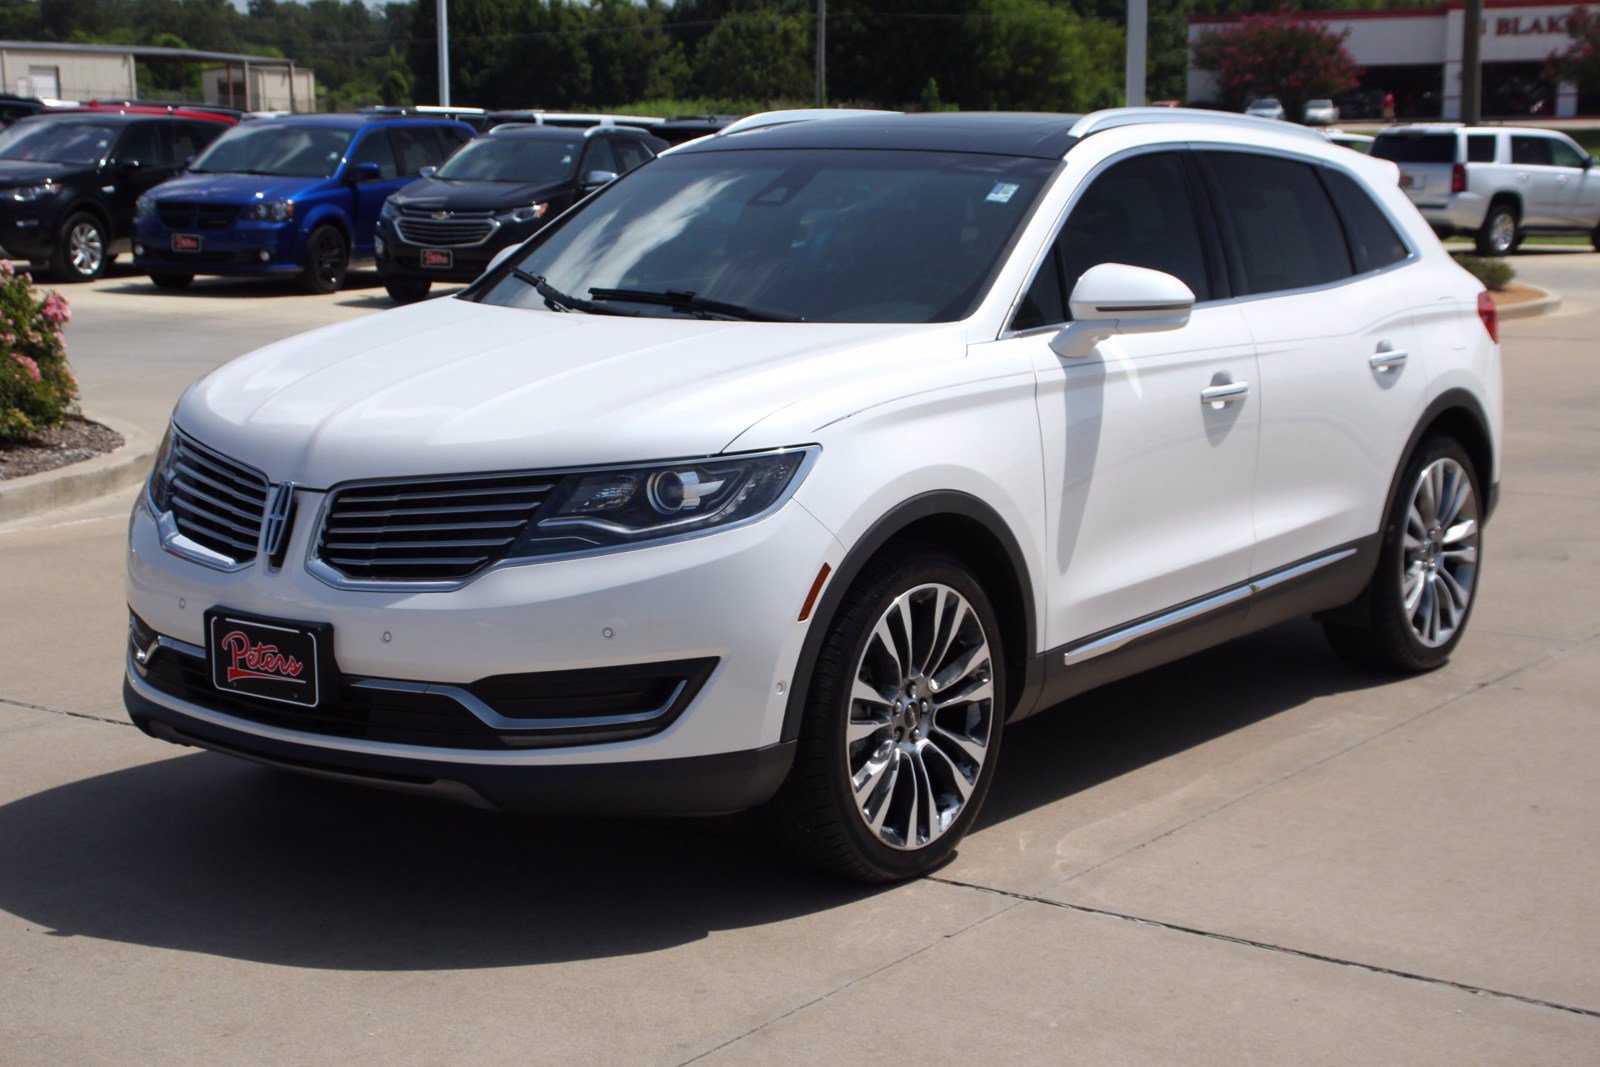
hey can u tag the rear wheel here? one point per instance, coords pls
(1499, 234)
(902, 725)
(80, 252)
(165, 280)
(327, 260)
(1594, 238)
(1427, 577)
(407, 292)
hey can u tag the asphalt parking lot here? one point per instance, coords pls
(1255, 855)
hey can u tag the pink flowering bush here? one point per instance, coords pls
(1282, 54)
(37, 390)
(1580, 62)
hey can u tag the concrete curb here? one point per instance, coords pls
(80, 482)
(1529, 308)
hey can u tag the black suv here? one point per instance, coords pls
(69, 180)
(495, 191)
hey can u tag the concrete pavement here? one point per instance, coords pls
(1252, 856)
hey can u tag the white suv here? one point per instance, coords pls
(1496, 184)
(792, 467)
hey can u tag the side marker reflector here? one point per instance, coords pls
(811, 597)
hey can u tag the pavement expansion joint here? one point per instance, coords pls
(63, 711)
(1268, 946)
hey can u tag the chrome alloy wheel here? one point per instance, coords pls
(922, 712)
(1503, 232)
(86, 248)
(1440, 562)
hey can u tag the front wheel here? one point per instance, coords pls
(1594, 238)
(1422, 593)
(80, 252)
(327, 260)
(902, 723)
(407, 292)
(166, 280)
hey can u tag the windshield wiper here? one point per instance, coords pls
(556, 300)
(683, 300)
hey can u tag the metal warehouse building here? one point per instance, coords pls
(1415, 55)
(110, 72)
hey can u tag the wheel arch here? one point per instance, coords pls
(976, 534)
(87, 205)
(1506, 196)
(326, 215)
(1458, 413)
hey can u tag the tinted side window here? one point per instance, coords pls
(144, 145)
(1043, 305)
(1480, 147)
(1416, 147)
(1373, 242)
(415, 149)
(1288, 235)
(1137, 212)
(600, 157)
(1564, 155)
(375, 148)
(630, 153)
(1530, 151)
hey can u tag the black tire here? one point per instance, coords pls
(327, 261)
(1386, 638)
(1491, 237)
(407, 292)
(165, 280)
(1594, 238)
(815, 813)
(81, 249)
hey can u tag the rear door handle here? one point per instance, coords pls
(1220, 396)
(1387, 359)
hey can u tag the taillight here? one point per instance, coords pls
(1458, 178)
(1490, 316)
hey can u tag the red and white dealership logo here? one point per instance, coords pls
(260, 661)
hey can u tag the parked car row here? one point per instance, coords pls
(1316, 112)
(193, 191)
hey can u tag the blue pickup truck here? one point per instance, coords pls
(296, 196)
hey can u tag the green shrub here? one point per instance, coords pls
(37, 389)
(1493, 271)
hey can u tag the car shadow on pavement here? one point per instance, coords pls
(203, 853)
(127, 281)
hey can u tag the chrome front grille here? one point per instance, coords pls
(435, 530)
(215, 502)
(458, 229)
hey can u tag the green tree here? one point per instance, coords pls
(756, 56)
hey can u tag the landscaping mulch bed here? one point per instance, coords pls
(75, 440)
(1515, 294)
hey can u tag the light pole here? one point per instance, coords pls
(1471, 68)
(443, 14)
(822, 53)
(1133, 78)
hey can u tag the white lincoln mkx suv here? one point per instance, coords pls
(790, 469)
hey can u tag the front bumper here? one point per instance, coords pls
(732, 597)
(400, 260)
(242, 248)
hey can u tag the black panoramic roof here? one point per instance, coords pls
(1000, 133)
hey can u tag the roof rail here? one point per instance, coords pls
(803, 114)
(1115, 117)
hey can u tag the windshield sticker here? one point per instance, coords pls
(1002, 192)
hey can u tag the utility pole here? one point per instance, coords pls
(822, 53)
(443, 13)
(1138, 23)
(1471, 67)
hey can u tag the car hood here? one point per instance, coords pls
(450, 386)
(32, 172)
(440, 195)
(232, 188)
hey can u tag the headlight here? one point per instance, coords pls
(161, 477)
(28, 193)
(389, 211)
(598, 510)
(144, 207)
(270, 211)
(524, 214)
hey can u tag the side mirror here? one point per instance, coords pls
(596, 178)
(365, 172)
(427, 172)
(1115, 298)
(1589, 162)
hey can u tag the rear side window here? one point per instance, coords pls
(1287, 234)
(1480, 147)
(1373, 241)
(1531, 151)
(1416, 148)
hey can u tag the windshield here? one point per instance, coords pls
(54, 141)
(1410, 148)
(282, 150)
(822, 236)
(513, 159)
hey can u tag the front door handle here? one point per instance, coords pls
(1388, 359)
(1221, 395)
